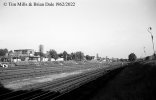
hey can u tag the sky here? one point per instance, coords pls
(112, 28)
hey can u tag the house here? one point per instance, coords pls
(22, 54)
(115, 59)
(60, 59)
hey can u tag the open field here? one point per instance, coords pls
(21, 81)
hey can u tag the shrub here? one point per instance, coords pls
(132, 57)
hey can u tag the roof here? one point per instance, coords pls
(23, 49)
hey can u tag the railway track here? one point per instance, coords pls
(10, 75)
(54, 89)
(16, 74)
(49, 88)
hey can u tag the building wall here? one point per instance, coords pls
(24, 52)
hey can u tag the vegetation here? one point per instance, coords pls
(3, 52)
(79, 56)
(53, 54)
(65, 54)
(132, 57)
(60, 55)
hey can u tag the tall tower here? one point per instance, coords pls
(97, 56)
(41, 51)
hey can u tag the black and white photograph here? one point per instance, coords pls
(77, 49)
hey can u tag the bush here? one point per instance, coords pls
(132, 57)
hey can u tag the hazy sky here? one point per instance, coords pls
(112, 28)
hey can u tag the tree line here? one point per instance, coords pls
(78, 56)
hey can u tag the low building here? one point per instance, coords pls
(22, 54)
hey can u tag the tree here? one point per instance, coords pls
(65, 54)
(69, 57)
(132, 57)
(3, 52)
(73, 56)
(79, 55)
(53, 54)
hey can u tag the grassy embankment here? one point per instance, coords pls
(136, 81)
